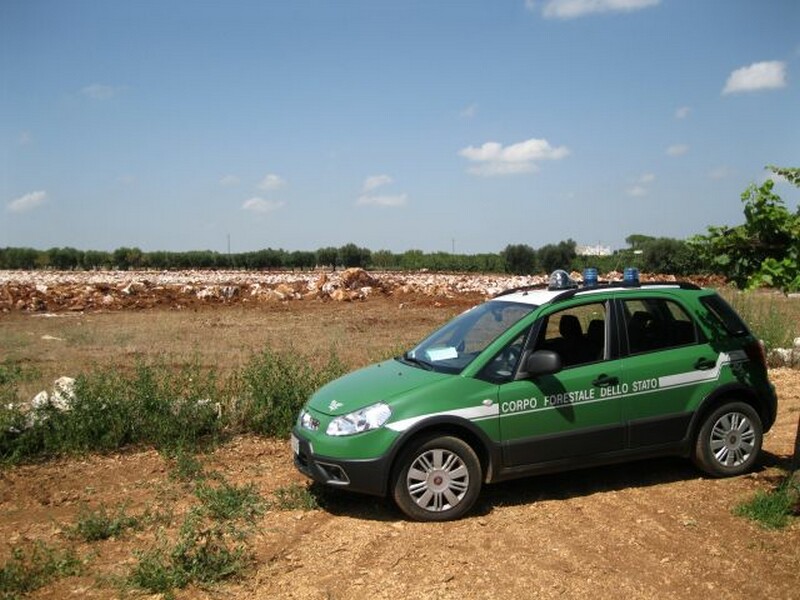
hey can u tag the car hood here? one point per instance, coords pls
(375, 383)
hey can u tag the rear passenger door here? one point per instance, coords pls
(666, 364)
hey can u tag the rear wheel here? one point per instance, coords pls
(437, 479)
(729, 440)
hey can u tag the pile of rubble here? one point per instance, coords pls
(58, 291)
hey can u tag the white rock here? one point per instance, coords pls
(40, 400)
(63, 393)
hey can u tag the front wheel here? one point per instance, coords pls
(437, 479)
(729, 440)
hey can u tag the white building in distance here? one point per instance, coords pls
(595, 250)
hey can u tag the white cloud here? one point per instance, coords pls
(495, 169)
(677, 150)
(374, 182)
(229, 181)
(572, 9)
(647, 178)
(261, 205)
(682, 112)
(99, 91)
(637, 191)
(720, 173)
(271, 182)
(126, 179)
(25, 138)
(769, 75)
(640, 185)
(391, 201)
(27, 202)
(495, 159)
(470, 112)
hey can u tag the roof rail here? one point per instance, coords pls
(522, 288)
(567, 294)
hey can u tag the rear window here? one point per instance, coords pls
(720, 309)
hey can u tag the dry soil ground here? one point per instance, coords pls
(653, 529)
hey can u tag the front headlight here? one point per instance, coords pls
(307, 421)
(359, 421)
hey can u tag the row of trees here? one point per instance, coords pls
(661, 255)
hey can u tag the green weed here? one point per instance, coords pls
(177, 411)
(33, 567)
(205, 552)
(272, 387)
(225, 501)
(773, 509)
(295, 497)
(156, 573)
(99, 524)
(186, 467)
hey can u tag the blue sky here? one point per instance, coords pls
(394, 125)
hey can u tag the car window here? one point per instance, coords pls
(459, 342)
(502, 366)
(725, 315)
(655, 324)
(577, 334)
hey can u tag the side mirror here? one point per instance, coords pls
(541, 362)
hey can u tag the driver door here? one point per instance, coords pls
(575, 412)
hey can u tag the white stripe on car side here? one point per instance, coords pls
(474, 413)
(699, 376)
(479, 413)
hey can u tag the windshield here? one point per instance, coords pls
(459, 342)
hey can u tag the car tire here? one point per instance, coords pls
(729, 440)
(437, 478)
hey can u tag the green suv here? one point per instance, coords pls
(542, 380)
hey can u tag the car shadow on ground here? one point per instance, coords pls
(528, 490)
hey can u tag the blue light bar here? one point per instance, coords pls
(560, 280)
(630, 276)
(589, 277)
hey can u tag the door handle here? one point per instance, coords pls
(605, 381)
(704, 364)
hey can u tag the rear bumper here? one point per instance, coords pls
(367, 476)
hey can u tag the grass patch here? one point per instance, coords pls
(186, 467)
(772, 317)
(177, 411)
(273, 386)
(773, 509)
(295, 496)
(100, 524)
(224, 501)
(202, 554)
(210, 546)
(30, 568)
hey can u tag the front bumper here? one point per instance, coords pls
(367, 476)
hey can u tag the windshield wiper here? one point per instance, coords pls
(407, 357)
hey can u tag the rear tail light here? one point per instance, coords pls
(757, 353)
